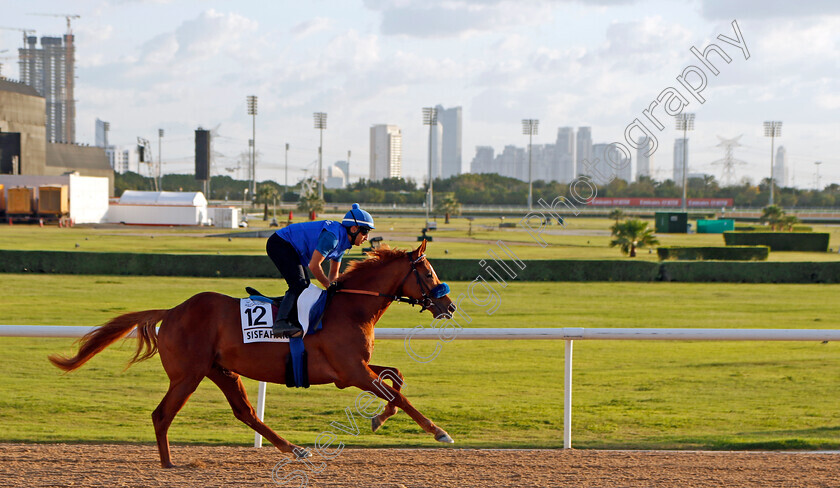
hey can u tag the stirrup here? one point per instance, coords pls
(285, 329)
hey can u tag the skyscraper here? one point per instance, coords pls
(780, 169)
(101, 133)
(583, 149)
(606, 164)
(642, 159)
(437, 150)
(51, 72)
(484, 160)
(449, 120)
(679, 143)
(564, 154)
(385, 152)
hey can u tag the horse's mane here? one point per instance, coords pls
(375, 258)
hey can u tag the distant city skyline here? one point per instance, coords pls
(564, 63)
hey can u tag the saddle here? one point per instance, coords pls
(297, 370)
(253, 292)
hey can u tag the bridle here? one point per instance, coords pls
(439, 291)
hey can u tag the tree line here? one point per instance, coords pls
(492, 189)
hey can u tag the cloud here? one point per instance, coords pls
(309, 27)
(766, 9)
(455, 18)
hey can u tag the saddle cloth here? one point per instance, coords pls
(257, 315)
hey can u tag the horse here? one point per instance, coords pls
(202, 338)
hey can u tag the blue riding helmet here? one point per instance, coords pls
(357, 216)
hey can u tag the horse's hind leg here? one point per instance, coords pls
(231, 385)
(178, 394)
(386, 372)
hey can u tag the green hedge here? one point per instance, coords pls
(763, 228)
(750, 272)
(258, 266)
(780, 241)
(119, 263)
(729, 253)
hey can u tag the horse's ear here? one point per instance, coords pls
(422, 248)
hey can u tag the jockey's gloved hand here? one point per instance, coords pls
(334, 287)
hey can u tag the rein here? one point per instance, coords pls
(425, 302)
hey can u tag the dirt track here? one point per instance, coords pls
(137, 466)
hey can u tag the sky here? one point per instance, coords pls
(179, 65)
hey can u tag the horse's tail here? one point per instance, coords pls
(98, 339)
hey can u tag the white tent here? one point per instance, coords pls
(159, 208)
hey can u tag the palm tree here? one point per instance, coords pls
(617, 214)
(773, 215)
(266, 194)
(631, 234)
(310, 203)
(448, 205)
(788, 221)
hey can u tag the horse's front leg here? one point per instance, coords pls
(366, 379)
(383, 373)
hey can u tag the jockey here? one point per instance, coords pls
(296, 247)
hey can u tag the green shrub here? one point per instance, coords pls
(765, 228)
(780, 241)
(69, 262)
(729, 253)
(750, 272)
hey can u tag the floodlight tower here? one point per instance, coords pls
(430, 119)
(320, 124)
(286, 183)
(252, 111)
(160, 160)
(685, 123)
(817, 164)
(530, 127)
(772, 129)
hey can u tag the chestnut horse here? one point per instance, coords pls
(202, 337)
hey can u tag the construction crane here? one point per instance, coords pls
(69, 17)
(26, 32)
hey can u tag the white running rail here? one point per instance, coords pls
(568, 334)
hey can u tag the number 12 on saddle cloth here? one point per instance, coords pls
(257, 315)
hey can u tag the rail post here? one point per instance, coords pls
(567, 397)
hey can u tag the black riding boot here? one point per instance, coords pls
(284, 325)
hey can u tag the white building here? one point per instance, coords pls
(607, 163)
(123, 159)
(643, 167)
(583, 149)
(780, 168)
(564, 167)
(679, 144)
(385, 152)
(336, 177)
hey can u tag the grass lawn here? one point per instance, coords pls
(582, 238)
(628, 394)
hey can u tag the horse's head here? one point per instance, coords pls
(422, 284)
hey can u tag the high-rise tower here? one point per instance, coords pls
(449, 142)
(385, 152)
(50, 70)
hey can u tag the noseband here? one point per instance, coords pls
(439, 291)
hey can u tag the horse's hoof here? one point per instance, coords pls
(444, 437)
(301, 453)
(375, 424)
